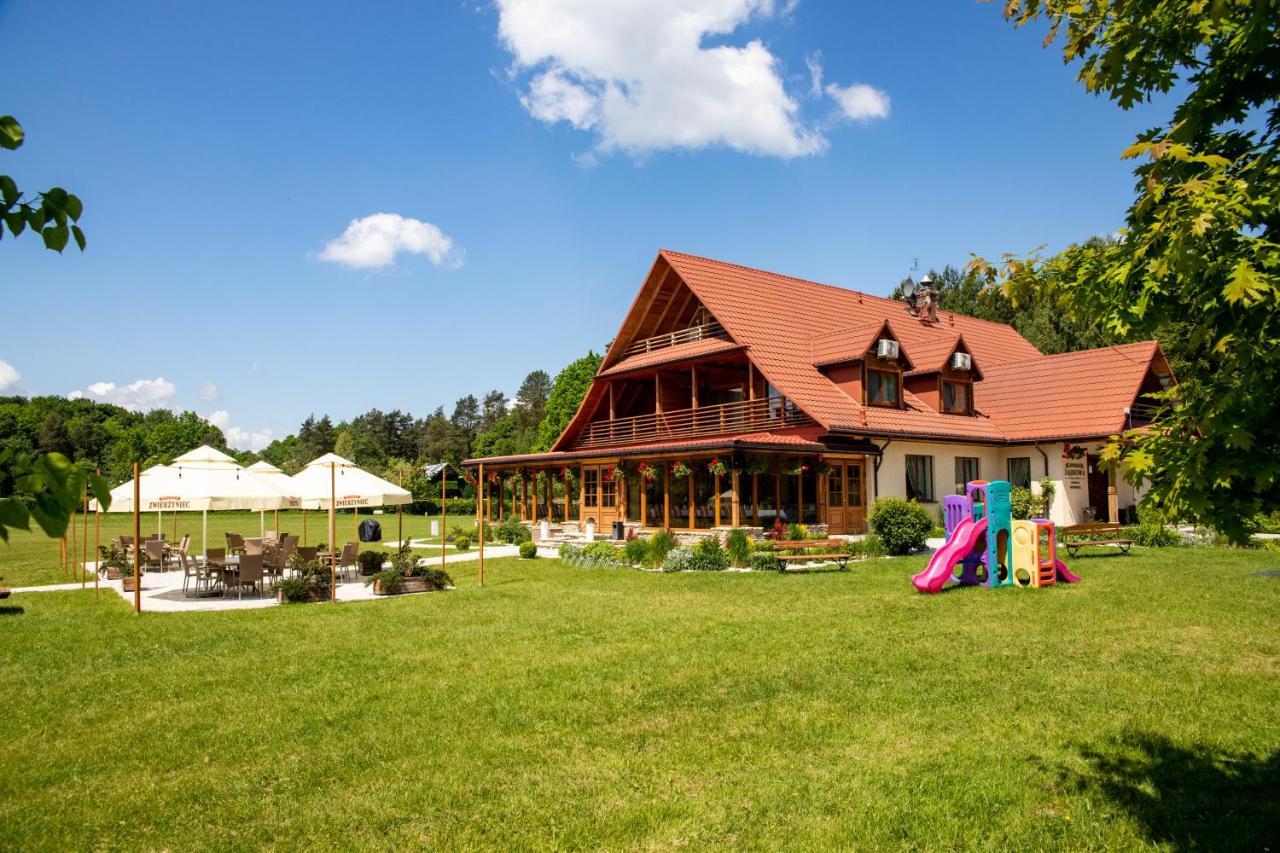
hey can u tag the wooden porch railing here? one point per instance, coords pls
(680, 336)
(745, 416)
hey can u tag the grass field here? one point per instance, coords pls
(31, 559)
(561, 707)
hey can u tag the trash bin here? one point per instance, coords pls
(619, 530)
(370, 531)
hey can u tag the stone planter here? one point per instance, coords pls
(406, 586)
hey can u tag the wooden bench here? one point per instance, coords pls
(1099, 533)
(796, 544)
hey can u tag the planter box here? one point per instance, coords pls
(407, 585)
(129, 583)
(4, 593)
(113, 574)
(311, 597)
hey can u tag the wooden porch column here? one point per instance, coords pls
(1113, 501)
(716, 499)
(666, 497)
(533, 506)
(800, 498)
(582, 495)
(755, 500)
(644, 501)
(693, 385)
(692, 510)
(566, 499)
(735, 499)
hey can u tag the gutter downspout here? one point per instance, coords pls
(879, 458)
(1048, 510)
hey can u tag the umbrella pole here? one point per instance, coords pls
(333, 534)
(276, 521)
(175, 527)
(482, 519)
(84, 539)
(74, 549)
(304, 526)
(137, 541)
(400, 513)
(97, 554)
(262, 523)
(204, 533)
(444, 515)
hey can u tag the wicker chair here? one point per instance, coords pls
(349, 560)
(235, 544)
(153, 553)
(253, 546)
(250, 574)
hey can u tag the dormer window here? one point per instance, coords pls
(957, 398)
(882, 388)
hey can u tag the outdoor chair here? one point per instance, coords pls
(193, 574)
(273, 560)
(253, 546)
(235, 543)
(307, 555)
(249, 574)
(153, 552)
(348, 560)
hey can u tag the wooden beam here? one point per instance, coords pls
(657, 324)
(716, 499)
(693, 385)
(735, 499)
(692, 513)
(666, 497)
(641, 314)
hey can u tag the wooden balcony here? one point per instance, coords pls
(726, 419)
(680, 336)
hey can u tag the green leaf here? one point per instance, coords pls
(55, 237)
(8, 190)
(13, 513)
(11, 134)
(35, 218)
(101, 490)
(79, 235)
(74, 207)
(56, 196)
(1243, 284)
(16, 222)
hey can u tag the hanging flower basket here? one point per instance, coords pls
(616, 474)
(470, 477)
(824, 469)
(494, 479)
(798, 469)
(647, 471)
(680, 469)
(568, 474)
(717, 468)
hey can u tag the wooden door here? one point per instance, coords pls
(846, 498)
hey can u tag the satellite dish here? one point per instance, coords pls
(908, 288)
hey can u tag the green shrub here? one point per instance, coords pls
(709, 556)
(678, 560)
(763, 561)
(938, 532)
(660, 544)
(1025, 504)
(738, 544)
(852, 547)
(601, 554)
(371, 561)
(1268, 523)
(1153, 534)
(462, 542)
(528, 549)
(309, 580)
(570, 553)
(636, 551)
(901, 525)
(797, 531)
(512, 532)
(871, 546)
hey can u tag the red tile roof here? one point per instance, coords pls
(1073, 395)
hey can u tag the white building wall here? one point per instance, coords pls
(1069, 501)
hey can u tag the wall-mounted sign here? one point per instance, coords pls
(1074, 472)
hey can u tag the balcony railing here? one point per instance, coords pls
(680, 336)
(745, 416)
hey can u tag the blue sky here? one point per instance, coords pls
(219, 148)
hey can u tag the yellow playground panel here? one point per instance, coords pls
(1034, 553)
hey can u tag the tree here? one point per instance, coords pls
(533, 393)
(567, 391)
(53, 437)
(52, 214)
(492, 410)
(1200, 251)
(316, 437)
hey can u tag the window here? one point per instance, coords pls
(882, 388)
(835, 487)
(920, 478)
(608, 491)
(966, 471)
(955, 397)
(1020, 471)
(855, 484)
(590, 480)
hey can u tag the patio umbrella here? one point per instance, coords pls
(269, 472)
(199, 481)
(330, 482)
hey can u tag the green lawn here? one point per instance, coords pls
(31, 559)
(561, 707)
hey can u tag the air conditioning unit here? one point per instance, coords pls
(961, 361)
(886, 348)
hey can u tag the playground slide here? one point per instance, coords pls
(1064, 574)
(959, 546)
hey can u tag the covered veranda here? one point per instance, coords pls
(748, 481)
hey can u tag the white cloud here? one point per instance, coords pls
(637, 74)
(814, 63)
(140, 395)
(374, 241)
(209, 392)
(860, 101)
(238, 438)
(9, 376)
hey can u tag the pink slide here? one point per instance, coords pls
(1064, 574)
(959, 546)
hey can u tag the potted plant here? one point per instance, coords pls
(716, 467)
(309, 582)
(128, 582)
(407, 575)
(371, 562)
(111, 561)
(679, 469)
(647, 471)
